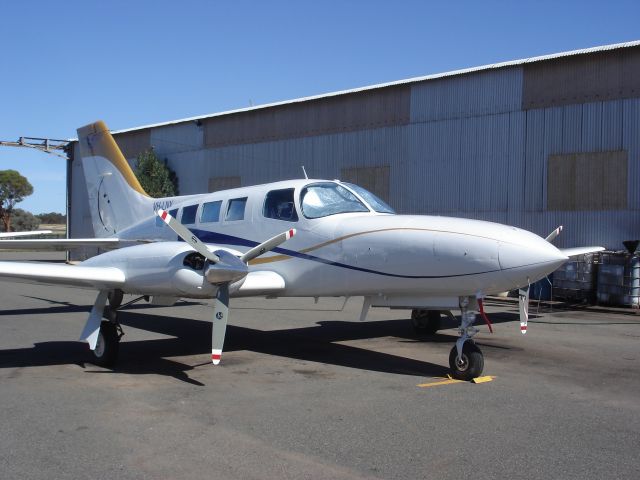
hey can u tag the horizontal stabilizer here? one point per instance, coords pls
(100, 278)
(572, 252)
(24, 234)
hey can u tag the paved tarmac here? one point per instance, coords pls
(305, 391)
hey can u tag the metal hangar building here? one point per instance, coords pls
(534, 143)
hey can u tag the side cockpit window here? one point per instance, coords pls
(279, 204)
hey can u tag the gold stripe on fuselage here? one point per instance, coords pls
(280, 258)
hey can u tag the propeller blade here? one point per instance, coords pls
(551, 237)
(523, 303)
(185, 234)
(219, 325)
(268, 245)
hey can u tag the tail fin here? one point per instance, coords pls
(116, 198)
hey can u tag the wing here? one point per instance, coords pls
(100, 278)
(24, 234)
(65, 243)
(572, 252)
(258, 284)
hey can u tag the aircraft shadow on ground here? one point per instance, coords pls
(192, 337)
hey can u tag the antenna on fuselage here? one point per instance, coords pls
(305, 172)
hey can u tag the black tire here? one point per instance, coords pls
(471, 365)
(115, 298)
(106, 352)
(426, 322)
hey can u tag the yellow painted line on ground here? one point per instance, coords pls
(449, 381)
(446, 381)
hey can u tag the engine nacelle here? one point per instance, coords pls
(163, 268)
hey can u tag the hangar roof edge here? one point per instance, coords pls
(435, 76)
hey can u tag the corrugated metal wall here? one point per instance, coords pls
(468, 145)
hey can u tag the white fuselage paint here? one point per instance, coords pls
(348, 254)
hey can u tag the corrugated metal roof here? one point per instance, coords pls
(397, 82)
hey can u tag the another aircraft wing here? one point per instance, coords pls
(99, 278)
(24, 234)
(572, 252)
(65, 243)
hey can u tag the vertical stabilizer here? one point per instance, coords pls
(116, 198)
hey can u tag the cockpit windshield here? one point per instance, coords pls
(374, 202)
(323, 199)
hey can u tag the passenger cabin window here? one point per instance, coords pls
(279, 204)
(235, 210)
(189, 215)
(323, 199)
(211, 212)
(174, 213)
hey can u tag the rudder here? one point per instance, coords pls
(116, 198)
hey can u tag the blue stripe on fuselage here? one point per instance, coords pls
(224, 239)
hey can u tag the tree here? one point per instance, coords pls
(157, 179)
(13, 188)
(52, 218)
(23, 221)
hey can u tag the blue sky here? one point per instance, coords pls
(130, 63)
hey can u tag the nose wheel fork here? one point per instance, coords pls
(466, 360)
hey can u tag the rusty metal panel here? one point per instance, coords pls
(177, 138)
(342, 113)
(587, 181)
(480, 93)
(223, 183)
(592, 77)
(374, 179)
(133, 143)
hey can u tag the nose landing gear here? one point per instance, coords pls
(466, 360)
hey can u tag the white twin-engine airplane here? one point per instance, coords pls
(341, 241)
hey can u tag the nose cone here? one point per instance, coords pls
(526, 258)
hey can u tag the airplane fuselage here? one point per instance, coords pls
(336, 254)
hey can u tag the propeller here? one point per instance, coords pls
(222, 269)
(523, 306)
(552, 236)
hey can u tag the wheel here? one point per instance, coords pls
(106, 351)
(115, 298)
(426, 322)
(471, 362)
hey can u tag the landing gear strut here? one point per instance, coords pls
(466, 360)
(115, 298)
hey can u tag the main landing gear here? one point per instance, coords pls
(108, 344)
(466, 360)
(426, 322)
(103, 331)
